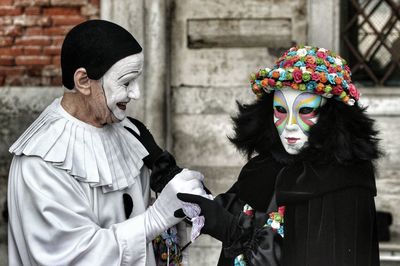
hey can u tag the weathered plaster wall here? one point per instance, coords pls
(19, 106)
(215, 45)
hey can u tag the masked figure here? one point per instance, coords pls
(306, 195)
(79, 185)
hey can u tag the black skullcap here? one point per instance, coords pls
(95, 45)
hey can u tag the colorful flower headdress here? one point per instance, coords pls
(311, 69)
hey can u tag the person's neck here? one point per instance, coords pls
(77, 106)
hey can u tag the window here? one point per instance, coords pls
(370, 40)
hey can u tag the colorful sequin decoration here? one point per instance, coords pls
(166, 248)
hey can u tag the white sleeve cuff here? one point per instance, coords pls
(132, 240)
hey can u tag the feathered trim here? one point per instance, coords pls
(343, 134)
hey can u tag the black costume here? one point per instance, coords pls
(329, 214)
(327, 189)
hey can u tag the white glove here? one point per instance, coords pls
(160, 216)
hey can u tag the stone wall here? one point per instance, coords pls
(190, 88)
(31, 34)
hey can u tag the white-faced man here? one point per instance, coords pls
(78, 188)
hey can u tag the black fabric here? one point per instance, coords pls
(329, 214)
(259, 244)
(256, 181)
(384, 220)
(95, 45)
(147, 140)
(213, 214)
(128, 204)
(164, 169)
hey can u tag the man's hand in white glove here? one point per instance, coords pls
(160, 216)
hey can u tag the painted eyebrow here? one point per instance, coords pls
(132, 72)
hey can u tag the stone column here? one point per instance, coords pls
(323, 21)
(156, 75)
(146, 20)
(130, 15)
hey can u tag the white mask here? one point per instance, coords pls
(120, 84)
(294, 113)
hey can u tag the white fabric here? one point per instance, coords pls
(110, 156)
(160, 215)
(65, 194)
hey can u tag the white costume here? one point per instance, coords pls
(66, 187)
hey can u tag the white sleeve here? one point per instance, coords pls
(51, 221)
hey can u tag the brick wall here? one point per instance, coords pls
(31, 34)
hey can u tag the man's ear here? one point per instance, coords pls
(82, 81)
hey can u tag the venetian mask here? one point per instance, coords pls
(120, 84)
(295, 112)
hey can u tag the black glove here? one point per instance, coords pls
(162, 163)
(219, 223)
(147, 139)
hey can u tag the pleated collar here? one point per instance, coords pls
(109, 157)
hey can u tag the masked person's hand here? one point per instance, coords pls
(160, 216)
(219, 223)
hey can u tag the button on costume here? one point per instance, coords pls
(79, 194)
(306, 195)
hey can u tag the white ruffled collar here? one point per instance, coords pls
(110, 156)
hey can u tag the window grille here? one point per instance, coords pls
(370, 40)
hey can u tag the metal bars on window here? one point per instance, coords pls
(371, 40)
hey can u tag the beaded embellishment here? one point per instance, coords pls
(166, 248)
(275, 222)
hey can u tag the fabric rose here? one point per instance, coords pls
(328, 88)
(288, 63)
(322, 77)
(302, 87)
(338, 81)
(354, 92)
(338, 61)
(321, 54)
(320, 87)
(331, 78)
(337, 90)
(322, 68)
(282, 75)
(330, 59)
(345, 84)
(271, 82)
(289, 76)
(311, 86)
(331, 69)
(299, 64)
(295, 86)
(302, 52)
(264, 82)
(306, 77)
(320, 61)
(310, 59)
(315, 76)
(297, 75)
(275, 74)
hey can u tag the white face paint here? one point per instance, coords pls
(120, 84)
(294, 114)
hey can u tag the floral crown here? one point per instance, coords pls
(311, 69)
